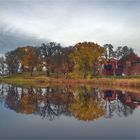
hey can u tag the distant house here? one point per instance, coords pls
(111, 68)
(114, 67)
(132, 67)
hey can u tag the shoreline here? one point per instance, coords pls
(128, 85)
(43, 80)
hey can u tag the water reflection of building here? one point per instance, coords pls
(120, 103)
(130, 99)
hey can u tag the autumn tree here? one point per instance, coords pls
(56, 62)
(67, 64)
(85, 56)
(12, 61)
(29, 57)
(61, 61)
(47, 51)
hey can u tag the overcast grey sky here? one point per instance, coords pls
(25, 22)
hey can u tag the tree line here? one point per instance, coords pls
(80, 60)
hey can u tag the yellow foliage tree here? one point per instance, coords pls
(85, 56)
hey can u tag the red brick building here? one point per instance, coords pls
(132, 67)
(114, 67)
(111, 68)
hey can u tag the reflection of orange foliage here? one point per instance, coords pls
(60, 97)
(28, 105)
(29, 102)
(86, 110)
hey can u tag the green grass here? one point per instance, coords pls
(21, 79)
(27, 75)
(40, 78)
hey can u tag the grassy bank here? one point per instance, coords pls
(41, 79)
(118, 82)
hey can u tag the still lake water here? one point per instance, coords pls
(68, 113)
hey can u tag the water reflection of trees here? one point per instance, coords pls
(87, 105)
(47, 102)
(83, 103)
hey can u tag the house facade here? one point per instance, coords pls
(132, 67)
(111, 67)
(114, 67)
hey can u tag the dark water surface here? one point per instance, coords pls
(68, 113)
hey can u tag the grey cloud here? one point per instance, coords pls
(10, 40)
(69, 21)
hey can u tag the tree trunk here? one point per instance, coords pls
(48, 72)
(57, 75)
(85, 73)
(31, 71)
(85, 70)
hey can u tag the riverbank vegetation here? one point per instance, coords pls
(38, 79)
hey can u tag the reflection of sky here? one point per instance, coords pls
(67, 22)
(30, 126)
